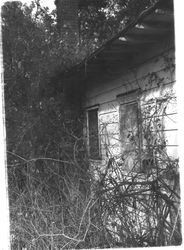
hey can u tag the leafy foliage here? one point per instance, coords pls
(42, 131)
(101, 20)
(32, 55)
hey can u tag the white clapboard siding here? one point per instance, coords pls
(109, 128)
(108, 107)
(110, 144)
(171, 137)
(101, 90)
(155, 79)
(108, 117)
(170, 121)
(172, 151)
(111, 151)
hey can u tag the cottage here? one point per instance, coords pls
(128, 84)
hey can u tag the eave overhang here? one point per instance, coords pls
(151, 27)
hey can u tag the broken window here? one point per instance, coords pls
(130, 130)
(129, 126)
(130, 134)
(93, 139)
(142, 132)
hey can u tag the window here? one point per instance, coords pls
(93, 137)
(129, 126)
(130, 130)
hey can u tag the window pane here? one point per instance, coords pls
(129, 134)
(129, 125)
(93, 134)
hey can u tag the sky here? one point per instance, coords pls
(46, 3)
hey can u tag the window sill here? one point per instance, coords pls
(95, 160)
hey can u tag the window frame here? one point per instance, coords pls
(132, 97)
(88, 109)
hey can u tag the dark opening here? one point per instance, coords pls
(93, 134)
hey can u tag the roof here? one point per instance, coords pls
(151, 27)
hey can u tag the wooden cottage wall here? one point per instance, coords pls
(154, 76)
